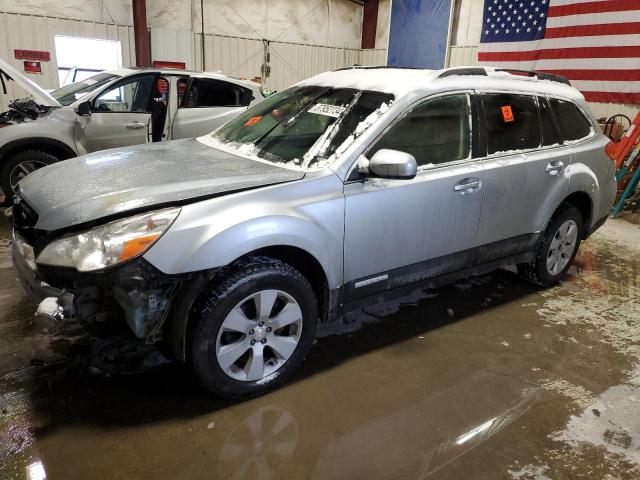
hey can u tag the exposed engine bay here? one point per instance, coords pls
(22, 110)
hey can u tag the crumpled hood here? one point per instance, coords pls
(97, 185)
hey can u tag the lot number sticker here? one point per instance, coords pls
(507, 114)
(327, 110)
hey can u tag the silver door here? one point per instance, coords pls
(194, 122)
(522, 188)
(401, 231)
(208, 104)
(121, 115)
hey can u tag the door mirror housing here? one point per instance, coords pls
(84, 109)
(395, 164)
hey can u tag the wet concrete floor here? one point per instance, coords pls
(489, 378)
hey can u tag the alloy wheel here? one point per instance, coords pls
(562, 247)
(23, 169)
(259, 335)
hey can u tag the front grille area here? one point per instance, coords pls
(23, 216)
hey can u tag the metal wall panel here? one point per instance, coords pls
(32, 32)
(172, 45)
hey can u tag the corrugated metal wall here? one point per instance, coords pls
(37, 33)
(243, 57)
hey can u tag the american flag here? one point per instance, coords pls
(595, 44)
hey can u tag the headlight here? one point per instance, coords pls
(108, 244)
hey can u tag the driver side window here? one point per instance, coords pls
(435, 131)
(129, 96)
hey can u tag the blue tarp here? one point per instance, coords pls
(418, 33)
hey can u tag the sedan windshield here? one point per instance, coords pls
(70, 93)
(305, 127)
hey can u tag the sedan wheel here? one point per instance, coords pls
(21, 170)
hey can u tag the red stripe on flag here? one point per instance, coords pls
(593, 30)
(592, 7)
(613, 75)
(612, 97)
(559, 53)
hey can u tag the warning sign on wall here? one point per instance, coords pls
(36, 55)
(32, 67)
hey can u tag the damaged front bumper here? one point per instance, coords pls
(136, 290)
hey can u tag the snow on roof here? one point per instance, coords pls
(402, 81)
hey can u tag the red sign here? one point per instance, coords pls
(32, 67)
(507, 113)
(37, 55)
(167, 64)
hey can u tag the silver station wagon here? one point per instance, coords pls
(112, 109)
(230, 250)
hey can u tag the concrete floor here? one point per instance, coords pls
(489, 378)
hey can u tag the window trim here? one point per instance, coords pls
(404, 113)
(117, 84)
(216, 80)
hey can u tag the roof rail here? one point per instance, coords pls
(483, 72)
(463, 71)
(539, 75)
(374, 67)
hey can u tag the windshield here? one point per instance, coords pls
(305, 127)
(70, 93)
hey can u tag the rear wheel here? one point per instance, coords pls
(558, 248)
(254, 328)
(19, 165)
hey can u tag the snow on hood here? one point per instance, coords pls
(111, 182)
(40, 95)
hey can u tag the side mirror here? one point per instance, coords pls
(393, 164)
(84, 109)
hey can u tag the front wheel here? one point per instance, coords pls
(19, 165)
(558, 248)
(253, 329)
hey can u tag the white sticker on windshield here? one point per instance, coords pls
(328, 110)
(90, 81)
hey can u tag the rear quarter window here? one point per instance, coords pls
(572, 124)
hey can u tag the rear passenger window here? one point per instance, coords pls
(572, 124)
(436, 131)
(213, 93)
(512, 122)
(546, 122)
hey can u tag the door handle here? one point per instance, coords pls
(467, 185)
(555, 167)
(135, 125)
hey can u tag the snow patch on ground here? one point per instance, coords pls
(530, 472)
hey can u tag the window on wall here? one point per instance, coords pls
(80, 58)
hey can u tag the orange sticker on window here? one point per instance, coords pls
(253, 121)
(507, 114)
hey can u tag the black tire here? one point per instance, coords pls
(537, 271)
(248, 277)
(10, 163)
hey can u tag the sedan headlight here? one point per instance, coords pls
(109, 244)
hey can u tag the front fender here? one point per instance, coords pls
(308, 215)
(54, 128)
